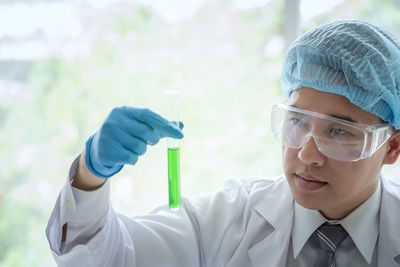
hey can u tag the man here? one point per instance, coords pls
(338, 128)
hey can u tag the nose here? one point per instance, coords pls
(309, 153)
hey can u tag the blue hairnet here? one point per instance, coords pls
(350, 58)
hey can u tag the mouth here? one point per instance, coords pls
(308, 182)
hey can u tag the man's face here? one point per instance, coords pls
(333, 187)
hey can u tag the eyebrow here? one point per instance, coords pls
(342, 117)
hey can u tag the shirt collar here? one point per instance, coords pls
(306, 221)
(362, 224)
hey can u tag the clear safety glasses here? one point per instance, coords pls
(335, 138)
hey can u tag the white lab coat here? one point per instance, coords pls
(246, 223)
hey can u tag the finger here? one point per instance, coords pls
(131, 143)
(164, 127)
(175, 124)
(128, 157)
(181, 125)
(122, 147)
(141, 131)
(125, 118)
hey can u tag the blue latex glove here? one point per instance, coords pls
(123, 137)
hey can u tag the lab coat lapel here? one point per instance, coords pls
(276, 208)
(389, 238)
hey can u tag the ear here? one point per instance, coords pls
(393, 149)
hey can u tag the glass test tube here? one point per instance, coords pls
(173, 145)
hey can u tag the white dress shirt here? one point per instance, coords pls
(359, 248)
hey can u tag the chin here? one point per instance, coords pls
(308, 204)
(308, 201)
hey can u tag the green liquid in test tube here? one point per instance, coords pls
(174, 183)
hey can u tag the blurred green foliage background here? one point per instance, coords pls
(224, 60)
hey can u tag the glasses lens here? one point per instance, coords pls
(334, 139)
(288, 127)
(341, 150)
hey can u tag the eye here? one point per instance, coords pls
(296, 121)
(338, 132)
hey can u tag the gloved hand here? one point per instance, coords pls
(123, 137)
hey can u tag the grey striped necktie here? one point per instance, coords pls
(329, 236)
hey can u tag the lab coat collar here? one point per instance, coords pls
(389, 241)
(280, 216)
